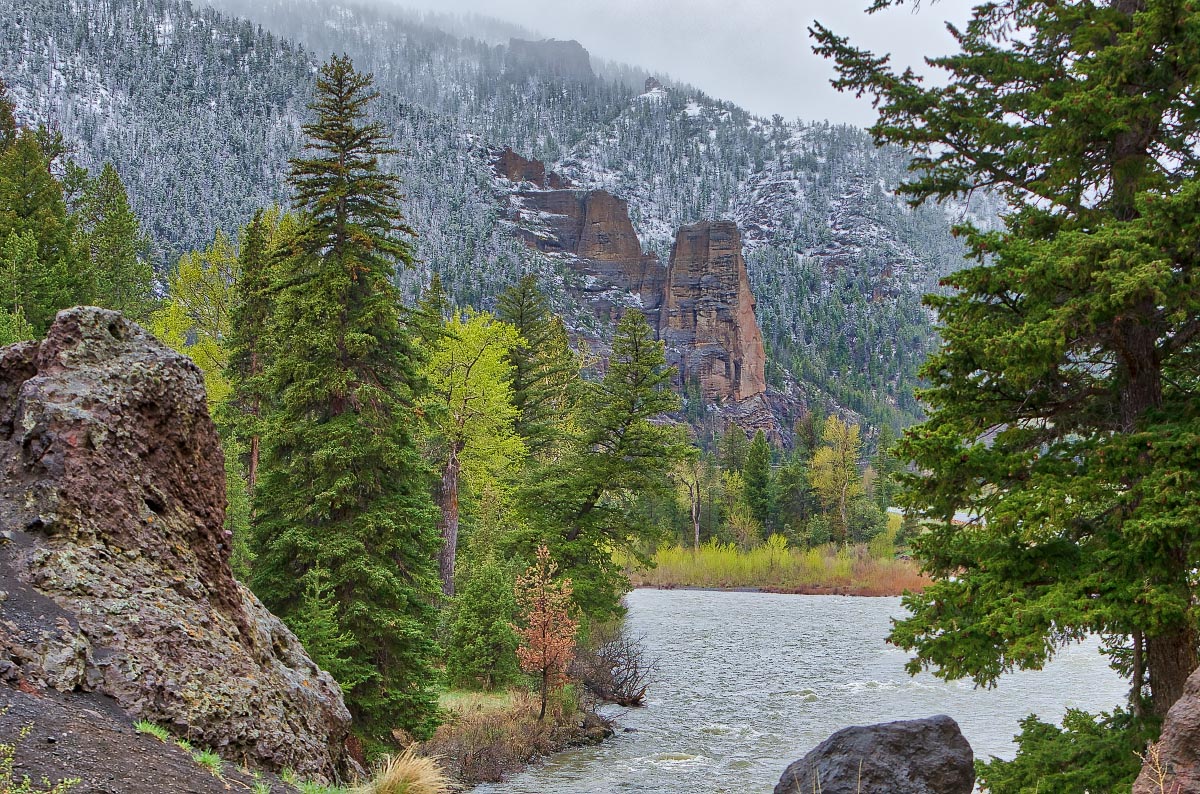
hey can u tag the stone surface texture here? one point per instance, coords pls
(114, 561)
(708, 313)
(928, 756)
(1173, 764)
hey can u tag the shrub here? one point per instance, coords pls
(482, 648)
(613, 666)
(1094, 753)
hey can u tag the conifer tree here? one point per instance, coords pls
(544, 367)
(340, 479)
(482, 646)
(619, 453)
(8, 119)
(31, 202)
(547, 640)
(759, 483)
(119, 272)
(1062, 405)
(734, 447)
(428, 318)
(249, 325)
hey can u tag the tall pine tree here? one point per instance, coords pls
(341, 483)
(619, 453)
(760, 484)
(1063, 419)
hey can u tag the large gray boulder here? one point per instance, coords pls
(1173, 763)
(114, 560)
(928, 756)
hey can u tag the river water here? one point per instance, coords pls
(749, 682)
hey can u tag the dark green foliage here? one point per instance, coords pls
(734, 448)
(119, 275)
(43, 277)
(317, 626)
(887, 468)
(341, 480)
(1097, 754)
(583, 505)
(8, 121)
(481, 649)
(760, 483)
(544, 368)
(1062, 405)
(428, 319)
(866, 521)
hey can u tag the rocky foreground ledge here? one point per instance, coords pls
(116, 595)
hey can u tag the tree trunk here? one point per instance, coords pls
(449, 522)
(1170, 658)
(545, 693)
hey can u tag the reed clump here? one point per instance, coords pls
(864, 569)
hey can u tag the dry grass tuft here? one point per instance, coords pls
(408, 774)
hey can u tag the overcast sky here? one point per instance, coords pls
(754, 52)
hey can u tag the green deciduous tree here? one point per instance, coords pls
(341, 482)
(834, 473)
(471, 414)
(1062, 405)
(195, 317)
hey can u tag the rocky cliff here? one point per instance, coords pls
(707, 314)
(701, 304)
(114, 561)
(566, 60)
(1172, 764)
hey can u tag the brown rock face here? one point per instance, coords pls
(1173, 764)
(701, 305)
(594, 228)
(707, 316)
(114, 562)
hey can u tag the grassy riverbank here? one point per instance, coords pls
(868, 569)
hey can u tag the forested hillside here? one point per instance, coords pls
(200, 112)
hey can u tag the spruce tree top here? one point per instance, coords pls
(354, 205)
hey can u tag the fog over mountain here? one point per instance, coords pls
(754, 52)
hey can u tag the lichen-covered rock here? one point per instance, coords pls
(1173, 764)
(928, 756)
(115, 560)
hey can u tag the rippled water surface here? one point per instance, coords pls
(749, 682)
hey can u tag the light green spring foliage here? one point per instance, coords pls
(834, 473)
(195, 318)
(469, 403)
(1062, 404)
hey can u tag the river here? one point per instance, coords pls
(749, 682)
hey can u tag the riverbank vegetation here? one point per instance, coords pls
(1063, 401)
(395, 471)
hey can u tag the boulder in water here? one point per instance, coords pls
(929, 756)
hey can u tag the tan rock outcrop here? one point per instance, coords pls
(701, 305)
(114, 559)
(594, 228)
(707, 316)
